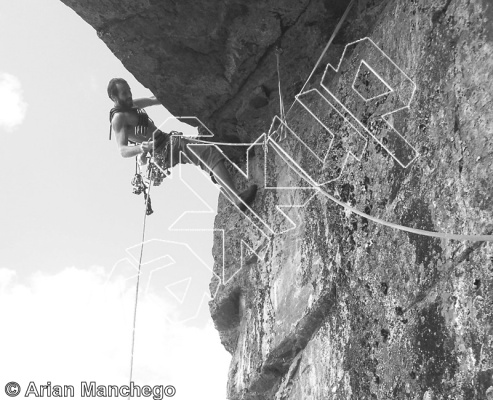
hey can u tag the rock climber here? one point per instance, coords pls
(131, 124)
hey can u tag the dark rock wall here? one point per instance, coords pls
(214, 60)
(340, 307)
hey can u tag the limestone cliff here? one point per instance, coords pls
(214, 60)
(340, 307)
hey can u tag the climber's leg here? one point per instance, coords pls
(210, 158)
(242, 199)
(224, 179)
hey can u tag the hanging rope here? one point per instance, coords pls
(278, 52)
(442, 235)
(334, 34)
(147, 199)
(282, 133)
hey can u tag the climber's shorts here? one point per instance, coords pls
(203, 155)
(172, 149)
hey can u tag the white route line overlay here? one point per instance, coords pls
(406, 106)
(189, 215)
(267, 141)
(167, 261)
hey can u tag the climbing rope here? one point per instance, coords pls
(282, 133)
(442, 235)
(334, 34)
(147, 199)
(450, 236)
(192, 138)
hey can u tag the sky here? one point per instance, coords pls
(71, 228)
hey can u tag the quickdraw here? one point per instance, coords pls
(157, 168)
(139, 187)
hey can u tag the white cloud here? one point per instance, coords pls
(6, 277)
(72, 327)
(12, 105)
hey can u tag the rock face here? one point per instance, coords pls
(214, 60)
(336, 305)
(341, 307)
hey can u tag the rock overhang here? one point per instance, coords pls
(215, 60)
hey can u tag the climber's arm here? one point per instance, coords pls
(118, 126)
(146, 102)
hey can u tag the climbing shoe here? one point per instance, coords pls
(248, 196)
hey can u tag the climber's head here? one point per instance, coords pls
(119, 91)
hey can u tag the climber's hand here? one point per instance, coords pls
(142, 159)
(147, 146)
